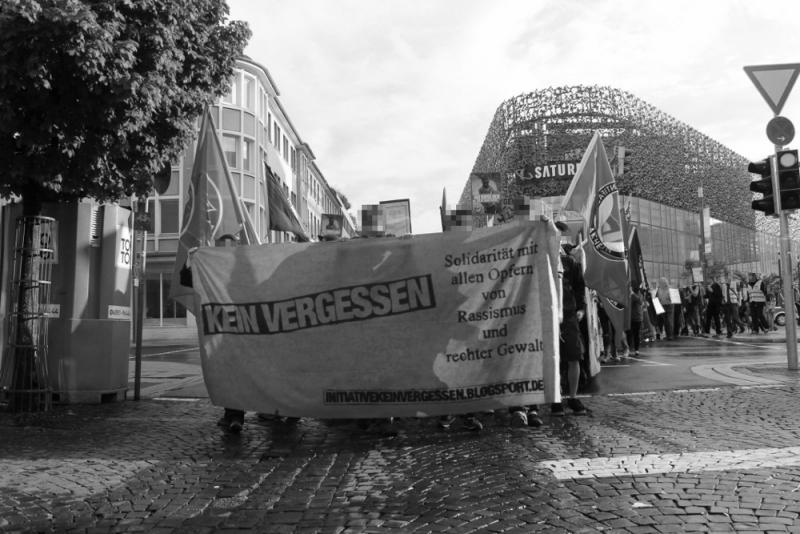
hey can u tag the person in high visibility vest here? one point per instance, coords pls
(757, 299)
(731, 308)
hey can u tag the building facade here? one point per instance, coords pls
(687, 194)
(255, 131)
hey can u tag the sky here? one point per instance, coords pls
(395, 97)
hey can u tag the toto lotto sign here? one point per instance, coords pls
(124, 252)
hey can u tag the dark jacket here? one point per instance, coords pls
(636, 307)
(573, 292)
(714, 295)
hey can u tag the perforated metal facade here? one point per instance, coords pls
(670, 159)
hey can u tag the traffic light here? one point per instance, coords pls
(789, 179)
(623, 161)
(763, 186)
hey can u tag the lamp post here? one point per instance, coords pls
(702, 230)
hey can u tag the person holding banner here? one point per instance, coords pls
(573, 290)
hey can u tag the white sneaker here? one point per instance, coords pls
(519, 419)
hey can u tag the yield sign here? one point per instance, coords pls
(774, 82)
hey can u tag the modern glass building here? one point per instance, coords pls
(255, 131)
(687, 194)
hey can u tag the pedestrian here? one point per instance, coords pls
(637, 313)
(713, 308)
(769, 311)
(693, 308)
(796, 300)
(609, 353)
(573, 305)
(668, 317)
(731, 309)
(757, 299)
(232, 419)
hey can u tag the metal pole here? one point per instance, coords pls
(702, 231)
(786, 270)
(138, 293)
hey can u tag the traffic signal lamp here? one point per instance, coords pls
(788, 179)
(623, 160)
(763, 185)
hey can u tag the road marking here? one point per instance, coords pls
(651, 362)
(169, 385)
(644, 363)
(691, 462)
(176, 351)
(725, 372)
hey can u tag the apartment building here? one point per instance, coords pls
(258, 138)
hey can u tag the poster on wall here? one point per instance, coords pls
(396, 216)
(485, 188)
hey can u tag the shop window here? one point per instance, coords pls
(172, 308)
(158, 306)
(152, 298)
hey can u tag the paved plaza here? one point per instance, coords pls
(715, 459)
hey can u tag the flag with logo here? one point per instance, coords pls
(638, 274)
(282, 215)
(213, 209)
(594, 196)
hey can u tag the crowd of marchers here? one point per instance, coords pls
(723, 306)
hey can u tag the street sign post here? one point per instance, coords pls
(775, 83)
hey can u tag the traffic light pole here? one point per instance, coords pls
(786, 272)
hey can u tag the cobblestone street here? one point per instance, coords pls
(706, 460)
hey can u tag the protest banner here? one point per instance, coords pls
(430, 325)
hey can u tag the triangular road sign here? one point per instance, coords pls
(774, 82)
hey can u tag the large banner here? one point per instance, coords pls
(435, 324)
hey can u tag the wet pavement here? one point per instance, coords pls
(721, 455)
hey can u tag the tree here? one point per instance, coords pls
(98, 96)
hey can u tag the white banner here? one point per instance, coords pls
(429, 325)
